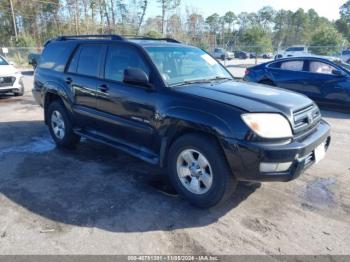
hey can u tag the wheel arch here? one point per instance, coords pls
(191, 122)
(267, 81)
(50, 96)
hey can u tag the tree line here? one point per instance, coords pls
(32, 22)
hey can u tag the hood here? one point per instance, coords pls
(250, 97)
(7, 70)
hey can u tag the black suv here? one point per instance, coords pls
(175, 106)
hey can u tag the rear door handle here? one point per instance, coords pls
(103, 88)
(68, 80)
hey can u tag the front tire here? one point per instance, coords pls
(198, 171)
(19, 93)
(60, 126)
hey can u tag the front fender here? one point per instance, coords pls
(182, 117)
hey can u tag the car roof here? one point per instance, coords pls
(325, 59)
(156, 43)
(140, 41)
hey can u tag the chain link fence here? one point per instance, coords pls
(19, 55)
(243, 54)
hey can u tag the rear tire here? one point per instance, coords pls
(60, 126)
(213, 184)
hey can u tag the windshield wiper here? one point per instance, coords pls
(220, 78)
(189, 82)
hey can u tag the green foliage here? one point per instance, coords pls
(345, 11)
(25, 40)
(256, 39)
(213, 22)
(343, 28)
(153, 34)
(19, 59)
(326, 40)
(230, 18)
(264, 30)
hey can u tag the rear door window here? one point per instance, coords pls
(297, 65)
(89, 60)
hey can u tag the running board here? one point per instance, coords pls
(135, 151)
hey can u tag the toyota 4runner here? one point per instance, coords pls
(175, 106)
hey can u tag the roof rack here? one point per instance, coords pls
(71, 37)
(166, 39)
(112, 37)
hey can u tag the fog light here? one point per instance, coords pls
(274, 167)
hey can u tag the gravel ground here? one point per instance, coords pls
(96, 200)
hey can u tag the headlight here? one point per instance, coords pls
(268, 125)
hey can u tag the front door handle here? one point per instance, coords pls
(103, 88)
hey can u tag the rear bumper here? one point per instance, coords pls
(244, 157)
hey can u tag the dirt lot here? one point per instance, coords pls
(96, 200)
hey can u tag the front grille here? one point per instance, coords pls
(7, 81)
(306, 118)
(309, 159)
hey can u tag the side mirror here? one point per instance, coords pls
(136, 76)
(338, 73)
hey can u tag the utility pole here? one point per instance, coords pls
(14, 20)
(76, 17)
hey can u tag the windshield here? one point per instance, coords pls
(3, 61)
(346, 66)
(179, 65)
(294, 49)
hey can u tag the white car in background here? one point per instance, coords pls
(294, 51)
(10, 79)
(345, 56)
(220, 53)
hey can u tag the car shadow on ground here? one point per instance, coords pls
(27, 72)
(94, 185)
(9, 98)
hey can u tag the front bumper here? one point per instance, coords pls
(37, 96)
(16, 87)
(244, 157)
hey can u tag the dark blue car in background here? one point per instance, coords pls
(326, 81)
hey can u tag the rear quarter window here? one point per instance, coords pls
(274, 65)
(55, 56)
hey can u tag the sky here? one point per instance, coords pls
(326, 8)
